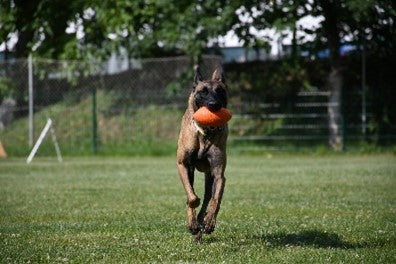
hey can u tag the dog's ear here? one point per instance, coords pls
(218, 74)
(197, 76)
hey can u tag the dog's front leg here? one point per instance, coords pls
(186, 174)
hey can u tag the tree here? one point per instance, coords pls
(366, 21)
(96, 28)
(146, 27)
(154, 27)
(40, 25)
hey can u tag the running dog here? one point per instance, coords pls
(204, 149)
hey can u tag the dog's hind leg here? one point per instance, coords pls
(207, 196)
(218, 189)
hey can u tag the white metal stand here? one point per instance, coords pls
(48, 126)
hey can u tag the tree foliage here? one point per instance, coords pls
(348, 20)
(157, 27)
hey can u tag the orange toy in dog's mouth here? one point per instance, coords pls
(206, 117)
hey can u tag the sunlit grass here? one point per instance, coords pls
(276, 209)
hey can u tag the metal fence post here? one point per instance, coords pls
(30, 88)
(364, 114)
(94, 123)
(342, 120)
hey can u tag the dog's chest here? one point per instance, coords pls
(204, 146)
(200, 158)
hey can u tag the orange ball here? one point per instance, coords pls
(206, 117)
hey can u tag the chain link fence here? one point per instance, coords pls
(117, 107)
(134, 107)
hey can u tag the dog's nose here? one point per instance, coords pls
(214, 106)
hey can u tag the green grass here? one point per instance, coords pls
(126, 128)
(122, 129)
(279, 209)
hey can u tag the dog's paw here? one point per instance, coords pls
(194, 203)
(197, 238)
(208, 225)
(194, 229)
(208, 229)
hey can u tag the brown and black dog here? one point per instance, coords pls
(204, 149)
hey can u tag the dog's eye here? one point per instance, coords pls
(220, 91)
(204, 91)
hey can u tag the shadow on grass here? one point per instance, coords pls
(307, 238)
(311, 238)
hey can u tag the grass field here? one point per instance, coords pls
(280, 209)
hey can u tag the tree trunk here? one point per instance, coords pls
(25, 12)
(334, 82)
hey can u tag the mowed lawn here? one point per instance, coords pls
(280, 209)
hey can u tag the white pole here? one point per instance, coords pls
(57, 149)
(39, 140)
(31, 123)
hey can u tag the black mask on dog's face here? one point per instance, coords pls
(211, 93)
